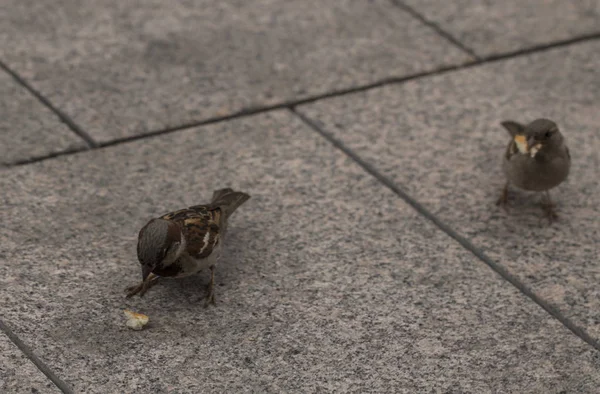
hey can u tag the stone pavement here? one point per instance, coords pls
(371, 256)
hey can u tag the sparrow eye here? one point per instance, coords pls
(548, 134)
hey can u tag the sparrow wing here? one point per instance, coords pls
(200, 228)
(202, 237)
(182, 214)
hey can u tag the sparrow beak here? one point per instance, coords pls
(146, 270)
(531, 142)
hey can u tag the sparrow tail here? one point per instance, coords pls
(512, 127)
(228, 200)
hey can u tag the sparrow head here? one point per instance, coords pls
(543, 133)
(159, 245)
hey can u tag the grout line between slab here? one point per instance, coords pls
(464, 242)
(293, 103)
(449, 37)
(64, 387)
(542, 47)
(35, 159)
(243, 113)
(62, 116)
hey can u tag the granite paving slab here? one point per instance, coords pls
(28, 129)
(18, 374)
(495, 27)
(121, 68)
(439, 138)
(328, 282)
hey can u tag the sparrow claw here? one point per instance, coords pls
(133, 290)
(143, 287)
(550, 214)
(210, 299)
(551, 219)
(503, 203)
(549, 210)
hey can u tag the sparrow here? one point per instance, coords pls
(184, 242)
(536, 159)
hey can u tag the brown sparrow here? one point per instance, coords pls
(184, 242)
(536, 159)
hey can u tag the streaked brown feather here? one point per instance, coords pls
(200, 226)
(202, 236)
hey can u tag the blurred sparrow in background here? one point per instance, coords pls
(536, 159)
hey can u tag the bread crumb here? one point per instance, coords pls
(135, 321)
(521, 142)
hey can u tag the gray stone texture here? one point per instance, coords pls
(120, 68)
(493, 27)
(18, 374)
(329, 281)
(28, 129)
(439, 138)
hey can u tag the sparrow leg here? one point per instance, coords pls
(143, 287)
(210, 297)
(503, 200)
(548, 207)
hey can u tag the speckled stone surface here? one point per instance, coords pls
(18, 374)
(28, 129)
(328, 282)
(440, 139)
(120, 68)
(493, 27)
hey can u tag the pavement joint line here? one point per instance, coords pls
(36, 159)
(542, 47)
(449, 37)
(62, 116)
(294, 103)
(464, 242)
(64, 387)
